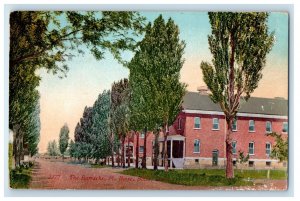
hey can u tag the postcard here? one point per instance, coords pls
(148, 100)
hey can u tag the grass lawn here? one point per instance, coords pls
(19, 179)
(99, 166)
(205, 177)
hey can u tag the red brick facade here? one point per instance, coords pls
(213, 140)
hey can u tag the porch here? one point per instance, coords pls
(175, 151)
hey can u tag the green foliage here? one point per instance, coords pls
(20, 178)
(239, 44)
(242, 158)
(154, 76)
(92, 133)
(52, 148)
(280, 150)
(120, 97)
(101, 147)
(48, 39)
(83, 130)
(63, 139)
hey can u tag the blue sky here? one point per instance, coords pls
(63, 100)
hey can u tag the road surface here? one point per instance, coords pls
(63, 175)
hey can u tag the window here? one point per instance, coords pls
(196, 160)
(141, 150)
(196, 146)
(251, 164)
(234, 162)
(142, 135)
(268, 127)
(179, 123)
(215, 124)
(251, 148)
(268, 148)
(268, 163)
(197, 122)
(251, 126)
(285, 127)
(234, 125)
(233, 147)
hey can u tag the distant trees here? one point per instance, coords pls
(52, 148)
(63, 139)
(239, 44)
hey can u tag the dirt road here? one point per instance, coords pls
(60, 175)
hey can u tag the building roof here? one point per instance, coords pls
(255, 105)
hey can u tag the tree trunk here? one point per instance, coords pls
(128, 151)
(17, 145)
(229, 165)
(137, 150)
(112, 150)
(145, 150)
(123, 152)
(156, 150)
(163, 152)
(166, 133)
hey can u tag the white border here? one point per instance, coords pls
(294, 95)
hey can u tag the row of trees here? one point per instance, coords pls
(150, 100)
(48, 39)
(91, 135)
(239, 43)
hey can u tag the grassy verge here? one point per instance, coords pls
(189, 178)
(206, 177)
(99, 166)
(245, 174)
(20, 178)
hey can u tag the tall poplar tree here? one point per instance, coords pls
(119, 119)
(239, 44)
(156, 70)
(100, 126)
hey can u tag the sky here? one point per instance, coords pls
(63, 100)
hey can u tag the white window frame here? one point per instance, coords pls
(270, 131)
(236, 128)
(233, 142)
(283, 127)
(179, 123)
(215, 129)
(251, 131)
(252, 148)
(270, 149)
(199, 122)
(140, 149)
(196, 152)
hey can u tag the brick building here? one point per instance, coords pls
(197, 137)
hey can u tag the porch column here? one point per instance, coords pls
(183, 148)
(171, 154)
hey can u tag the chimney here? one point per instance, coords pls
(203, 90)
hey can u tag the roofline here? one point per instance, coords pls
(238, 114)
